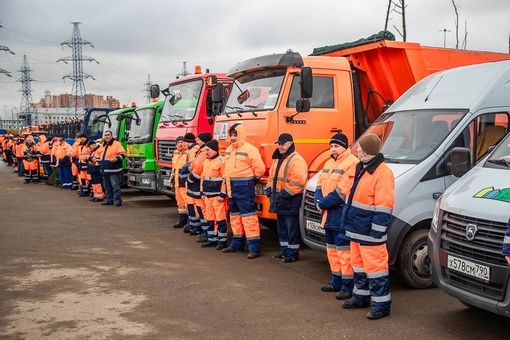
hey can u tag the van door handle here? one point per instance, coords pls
(335, 130)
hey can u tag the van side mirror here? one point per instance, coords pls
(306, 83)
(155, 91)
(461, 161)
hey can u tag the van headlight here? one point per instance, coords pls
(435, 217)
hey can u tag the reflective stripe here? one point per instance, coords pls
(506, 239)
(293, 246)
(330, 246)
(284, 244)
(343, 247)
(112, 170)
(196, 193)
(239, 153)
(366, 238)
(339, 193)
(211, 193)
(380, 228)
(296, 184)
(253, 238)
(249, 214)
(382, 273)
(242, 178)
(325, 170)
(338, 171)
(347, 277)
(213, 179)
(363, 206)
(362, 292)
(385, 298)
(384, 210)
(359, 270)
(235, 213)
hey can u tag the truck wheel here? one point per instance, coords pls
(413, 262)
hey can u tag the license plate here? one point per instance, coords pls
(132, 178)
(314, 226)
(470, 268)
(166, 182)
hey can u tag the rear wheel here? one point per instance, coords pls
(413, 262)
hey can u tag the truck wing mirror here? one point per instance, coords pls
(302, 105)
(460, 161)
(175, 98)
(119, 117)
(155, 91)
(211, 82)
(243, 96)
(306, 83)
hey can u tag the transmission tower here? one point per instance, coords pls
(25, 111)
(147, 89)
(184, 71)
(77, 100)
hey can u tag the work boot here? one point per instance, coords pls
(183, 220)
(231, 250)
(349, 304)
(343, 295)
(288, 259)
(278, 256)
(374, 315)
(186, 229)
(221, 246)
(253, 255)
(329, 288)
(208, 244)
(202, 239)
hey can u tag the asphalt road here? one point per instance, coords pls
(73, 269)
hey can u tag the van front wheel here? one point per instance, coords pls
(413, 261)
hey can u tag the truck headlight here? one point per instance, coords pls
(435, 217)
(146, 181)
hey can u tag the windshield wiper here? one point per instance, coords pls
(499, 162)
(180, 119)
(252, 107)
(237, 110)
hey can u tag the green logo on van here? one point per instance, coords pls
(494, 194)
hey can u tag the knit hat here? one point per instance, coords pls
(82, 135)
(213, 145)
(370, 143)
(205, 136)
(340, 139)
(178, 139)
(190, 138)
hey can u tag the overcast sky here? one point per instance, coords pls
(133, 39)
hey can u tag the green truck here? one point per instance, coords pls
(141, 161)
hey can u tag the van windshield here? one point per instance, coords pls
(500, 155)
(257, 90)
(410, 136)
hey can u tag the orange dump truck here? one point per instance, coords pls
(336, 88)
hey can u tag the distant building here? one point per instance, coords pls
(63, 101)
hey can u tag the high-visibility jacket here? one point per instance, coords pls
(113, 149)
(242, 161)
(178, 160)
(368, 210)
(18, 149)
(74, 150)
(186, 167)
(62, 152)
(44, 149)
(212, 177)
(286, 182)
(83, 154)
(94, 161)
(196, 167)
(333, 185)
(29, 152)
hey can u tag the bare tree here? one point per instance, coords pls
(399, 7)
(464, 42)
(456, 24)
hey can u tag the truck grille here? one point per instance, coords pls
(311, 213)
(485, 247)
(135, 164)
(166, 150)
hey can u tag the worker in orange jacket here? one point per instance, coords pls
(334, 183)
(45, 151)
(193, 188)
(366, 218)
(193, 219)
(286, 182)
(243, 169)
(30, 160)
(62, 154)
(178, 159)
(214, 197)
(8, 150)
(94, 171)
(83, 153)
(111, 155)
(74, 157)
(18, 152)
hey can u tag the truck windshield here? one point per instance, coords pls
(97, 128)
(114, 128)
(257, 90)
(142, 133)
(181, 103)
(410, 136)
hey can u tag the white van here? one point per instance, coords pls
(465, 107)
